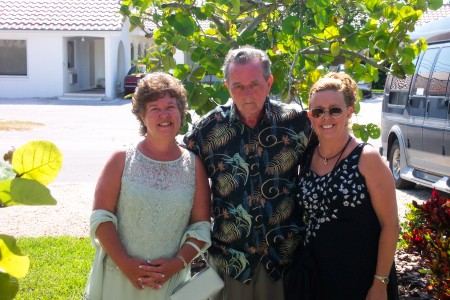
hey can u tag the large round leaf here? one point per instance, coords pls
(9, 286)
(21, 191)
(12, 261)
(37, 160)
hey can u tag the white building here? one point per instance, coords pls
(65, 48)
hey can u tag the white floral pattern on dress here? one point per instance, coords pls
(323, 197)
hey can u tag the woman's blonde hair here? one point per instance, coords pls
(339, 82)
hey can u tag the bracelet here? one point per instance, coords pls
(183, 260)
(383, 279)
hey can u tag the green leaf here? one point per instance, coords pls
(357, 107)
(181, 71)
(169, 63)
(199, 96)
(9, 286)
(12, 261)
(183, 23)
(335, 48)
(38, 160)
(310, 3)
(321, 18)
(323, 3)
(235, 7)
(331, 32)
(434, 4)
(290, 25)
(221, 94)
(373, 131)
(197, 54)
(197, 74)
(212, 66)
(184, 129)
(21, 191)
(180, 43)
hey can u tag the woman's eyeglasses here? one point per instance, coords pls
(332, 111)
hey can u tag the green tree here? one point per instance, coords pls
(23, 182)
(303, 38)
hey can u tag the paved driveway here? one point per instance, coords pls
(87, 132)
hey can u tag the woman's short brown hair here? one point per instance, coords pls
(153, 87)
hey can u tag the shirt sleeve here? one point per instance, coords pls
(191, 140)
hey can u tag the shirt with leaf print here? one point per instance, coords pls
(253, 173)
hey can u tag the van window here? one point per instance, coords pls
(440, 77)
(399, 90)
(423, 73)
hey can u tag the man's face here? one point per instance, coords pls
(248, 88)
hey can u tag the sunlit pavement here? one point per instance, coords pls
(87, 132)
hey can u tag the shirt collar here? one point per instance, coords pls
(234, 116)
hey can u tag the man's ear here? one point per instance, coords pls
(270, 81)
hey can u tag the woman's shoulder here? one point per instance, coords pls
(371, 160)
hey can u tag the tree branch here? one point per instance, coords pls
(308, 51)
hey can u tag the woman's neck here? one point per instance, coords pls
(330, 147)
(163, 150)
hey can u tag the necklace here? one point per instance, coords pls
(326, 159)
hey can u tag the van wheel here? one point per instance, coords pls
(394, 164)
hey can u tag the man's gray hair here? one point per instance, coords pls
(245, 55)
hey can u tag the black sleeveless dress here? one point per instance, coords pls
(342, 232)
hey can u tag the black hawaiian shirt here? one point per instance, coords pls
(253, 173)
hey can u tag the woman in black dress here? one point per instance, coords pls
(348, 195)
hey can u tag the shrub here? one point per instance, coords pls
(427, 232)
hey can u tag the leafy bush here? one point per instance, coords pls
(427, 232)
(23, 182)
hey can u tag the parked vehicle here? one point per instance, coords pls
(133, 77)
(415, 121)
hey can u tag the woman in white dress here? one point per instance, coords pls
(152, 201)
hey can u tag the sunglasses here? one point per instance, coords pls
(332, 111)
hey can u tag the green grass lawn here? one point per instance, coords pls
(59, 267)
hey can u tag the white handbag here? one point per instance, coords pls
(201, 286)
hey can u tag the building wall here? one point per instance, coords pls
(44, 67)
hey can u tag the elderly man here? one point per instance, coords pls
(251, 149)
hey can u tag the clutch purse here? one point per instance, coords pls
(201, 286)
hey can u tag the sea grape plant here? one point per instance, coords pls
(23, 179)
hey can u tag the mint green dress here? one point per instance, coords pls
(152, 218)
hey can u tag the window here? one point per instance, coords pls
(13, 57)
(398, 94)
(440, 76)
(70, 54)
(423, 73)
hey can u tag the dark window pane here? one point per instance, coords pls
(439, 80)
(423, 73)
(13, 57)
